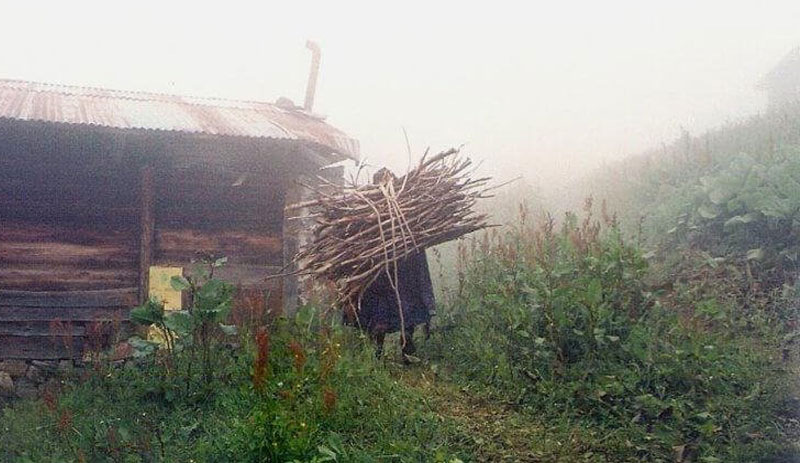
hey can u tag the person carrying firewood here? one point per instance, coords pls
(409, 285)
(369, 240)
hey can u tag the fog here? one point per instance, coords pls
(548, 89)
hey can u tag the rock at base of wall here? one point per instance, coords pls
(15, 368)
(26, 389)
(6, 385)
(65, 367)
(35, 374)
(49, 366)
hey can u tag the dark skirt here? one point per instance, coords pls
(379, 312)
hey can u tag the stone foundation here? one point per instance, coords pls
(27, 379)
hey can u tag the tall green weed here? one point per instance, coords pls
(559, 320)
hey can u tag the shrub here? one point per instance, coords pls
(561, 323)
(553, 297)
(306, 390)
(198, 328)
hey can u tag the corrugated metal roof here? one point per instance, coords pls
(32, 101)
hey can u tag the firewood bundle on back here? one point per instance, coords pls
(362, 231)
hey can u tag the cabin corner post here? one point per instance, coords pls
(147, 230)
(291, 245)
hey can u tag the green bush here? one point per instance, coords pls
(325, 400)
(732, 192)
(317, 394)
(560, 323)
(554, 297)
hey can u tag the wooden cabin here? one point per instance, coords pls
(98, 187)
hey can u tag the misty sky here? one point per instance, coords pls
(549, 89)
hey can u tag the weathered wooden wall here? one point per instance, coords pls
(72, 245)
(224, 213)
(67, 238)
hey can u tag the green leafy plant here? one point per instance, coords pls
(560, 321)
(195, 328)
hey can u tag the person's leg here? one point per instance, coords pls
(409, 348)
(378, 339)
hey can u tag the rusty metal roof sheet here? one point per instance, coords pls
(32, 101)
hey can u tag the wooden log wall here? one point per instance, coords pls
(67, 239)
(222, 213)
(59, 324)
(66, 257)
(84, 212)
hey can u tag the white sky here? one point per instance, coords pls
(546, 89)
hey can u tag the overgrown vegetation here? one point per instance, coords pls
(192, 331)
(669, 335)
(300, 390)
(558, 330)
(732, 193)
(559, 322)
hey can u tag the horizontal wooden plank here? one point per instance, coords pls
(109, 190)
(215, 175)
(244, 241)
(57, 285)
(41, 329)
(47, 278)
(85, 211)
(240, 187)
(181, 245)
(232, 217)
(70, 251)
(40, 348)
(98, 329)
(182, 258)
(35, 232)
(28, 173)
(68, 314)
(19, 260)
(248, 275)
(121, 297)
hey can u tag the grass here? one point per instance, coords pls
(553, 348)
(559, 325)
(352, 410)
(554, 342)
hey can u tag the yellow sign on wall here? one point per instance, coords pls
(161, 289)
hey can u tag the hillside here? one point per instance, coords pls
(737, 181)
(666, 333)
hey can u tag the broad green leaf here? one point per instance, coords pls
(708, 212)
(149, 313)
(741, 219)
(142, 347)
(180, 321)
(179, 283)
(229, 330)
(326, 454)
(755, 254)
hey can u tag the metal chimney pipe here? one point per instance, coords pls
(311, 88)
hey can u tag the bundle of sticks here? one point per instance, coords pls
(361, 231)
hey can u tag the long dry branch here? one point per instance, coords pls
(362, 231)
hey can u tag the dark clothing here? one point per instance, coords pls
(379, 312)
